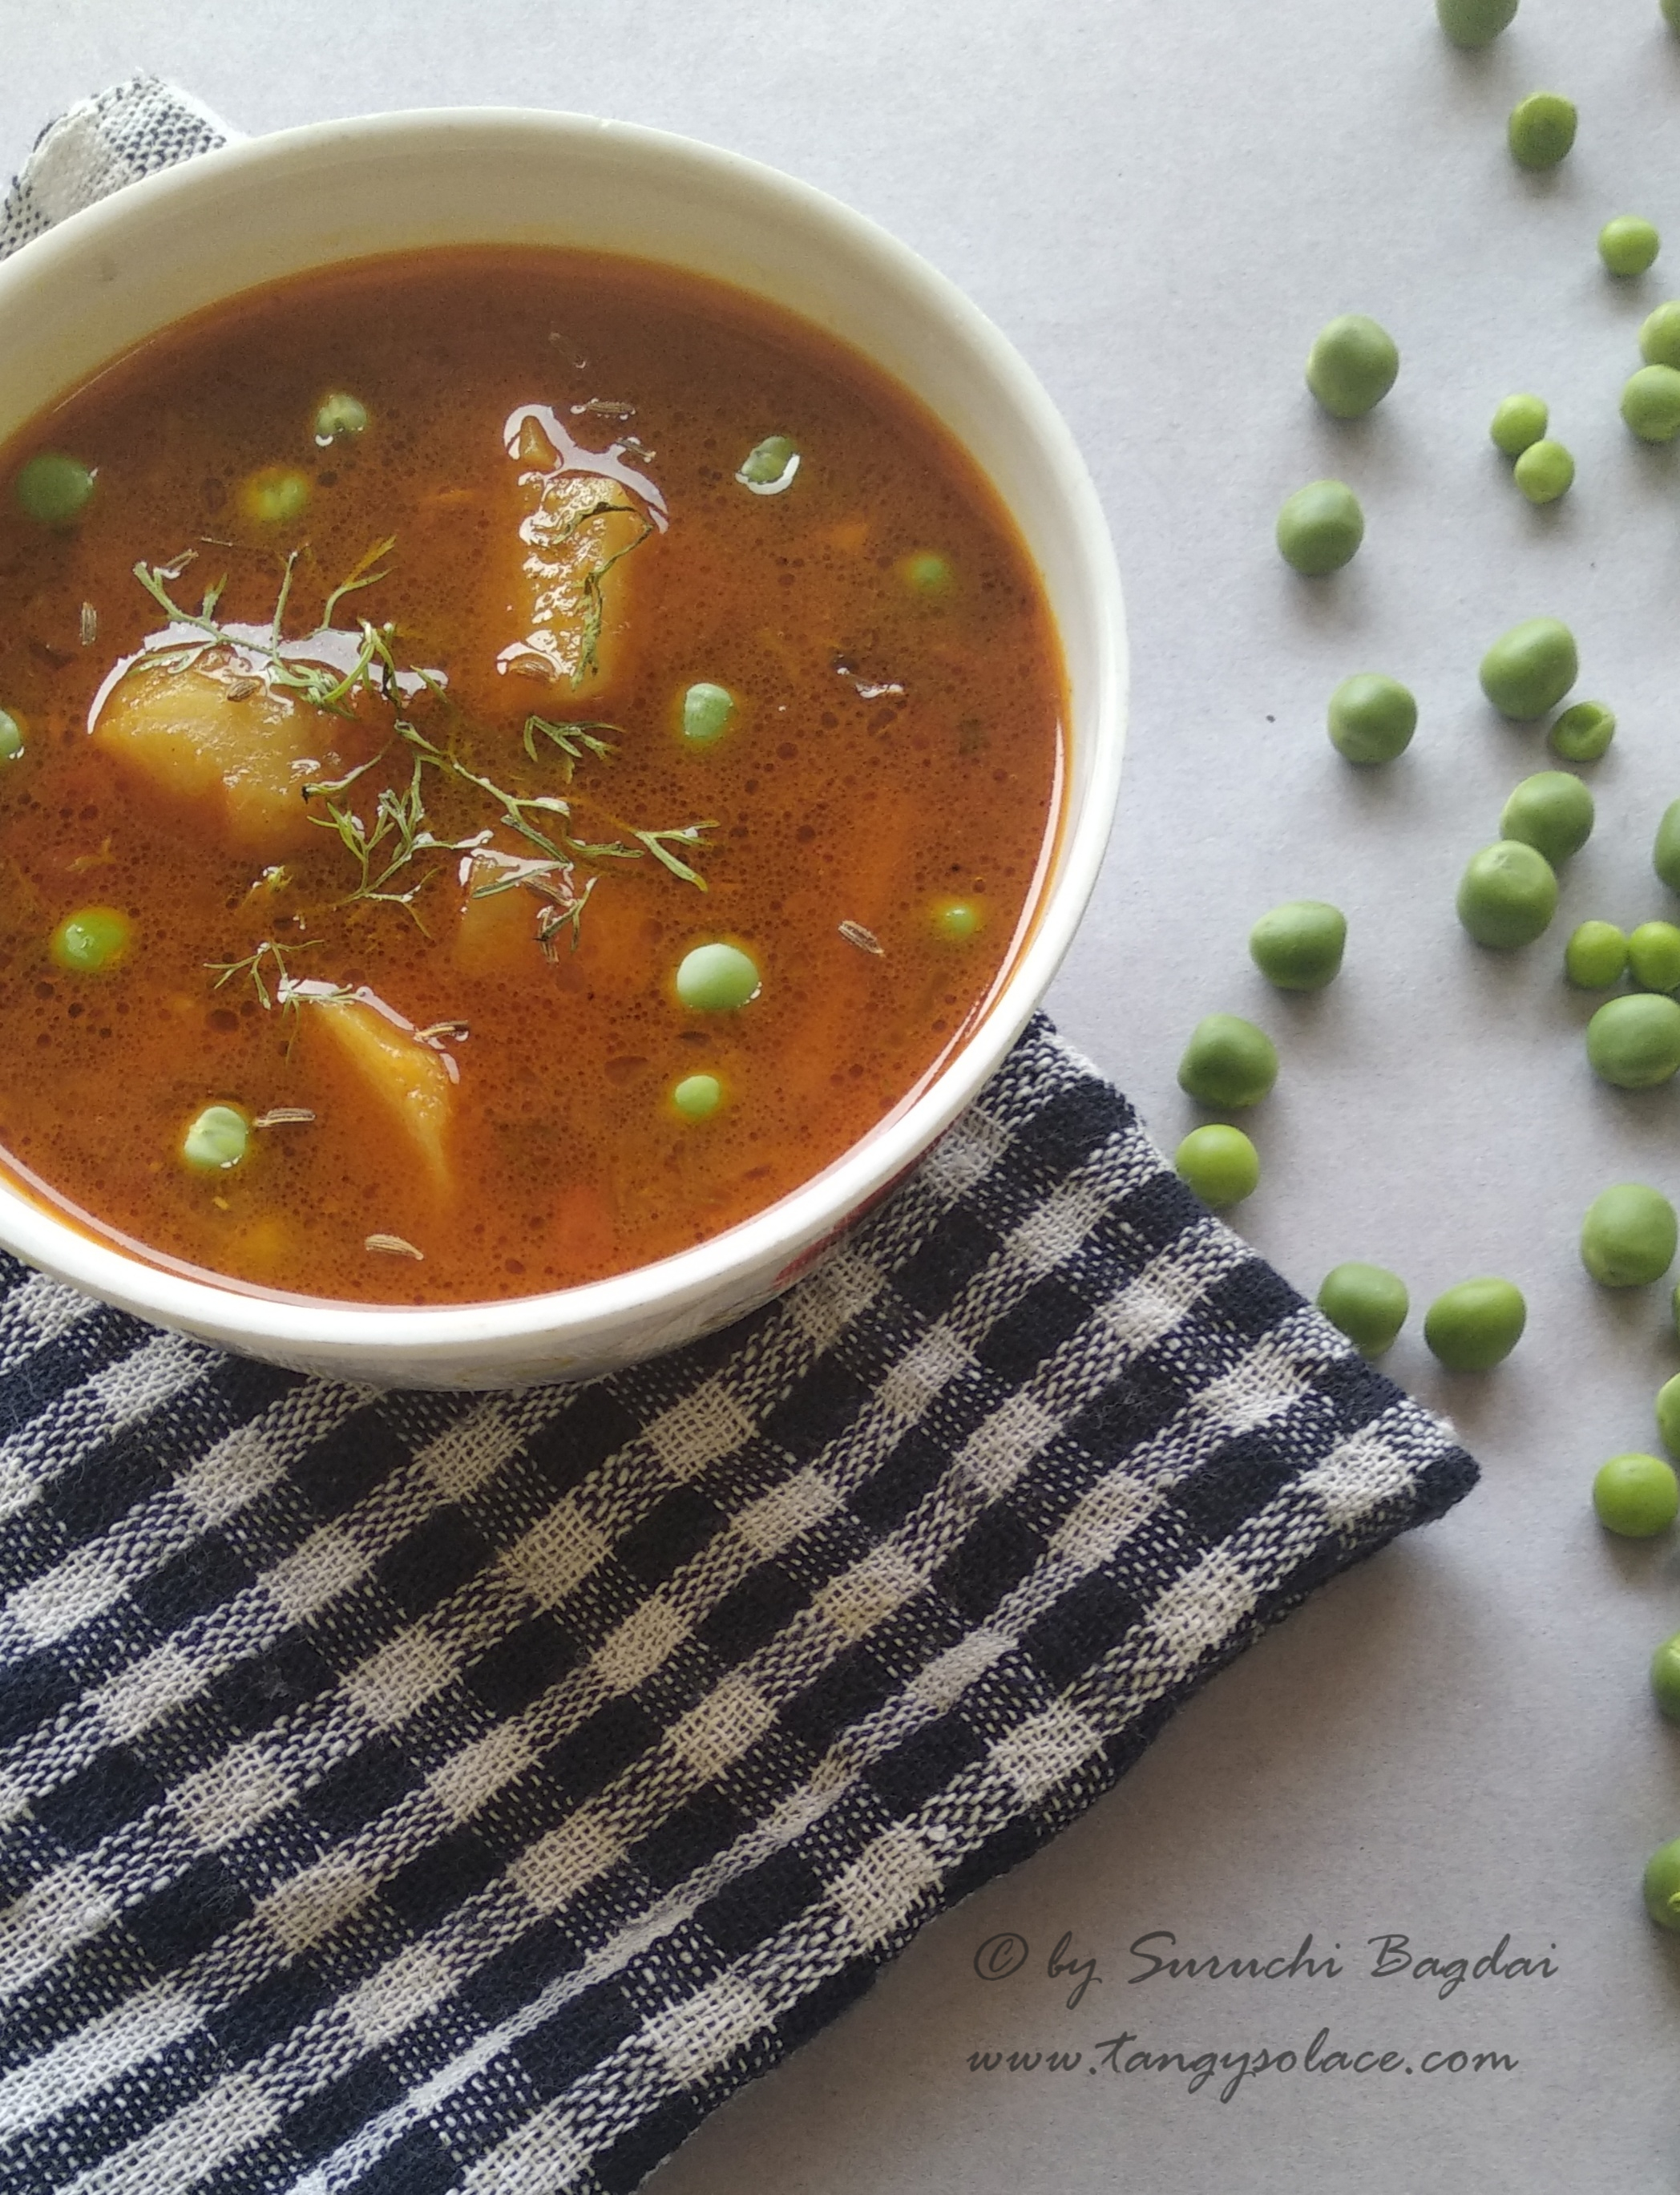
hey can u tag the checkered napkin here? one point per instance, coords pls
(413, 1793)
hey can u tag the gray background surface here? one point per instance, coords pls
(1161, 201)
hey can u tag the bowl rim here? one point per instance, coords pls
(807, 1216)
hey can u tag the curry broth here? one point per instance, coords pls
(891, 750)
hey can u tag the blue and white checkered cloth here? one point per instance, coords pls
(411, 1794)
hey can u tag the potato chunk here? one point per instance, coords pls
(577, 531)
(223, 739)
(410, 1082)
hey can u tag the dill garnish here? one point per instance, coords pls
(251, 965)
(387, 841)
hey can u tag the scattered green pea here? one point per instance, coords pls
(1320, 527)
(697, 1097)
(1507, 895)
(1228, 1062)
(1473, 22)
(1475, 1326)
(53, 489)
(1628, 246)
(1552, 812)
(1665, 847)
(1629, 1235)
(1654, 956)
(1668, 1413)
(339, 418)
(1541, 129)
(1584, 732)
(717, 978)
(11, 736)
(957, 920)
(1670, 13)
(1219, 1164)
(92, 938)
(1529, 669)
(1367, 1303)
(1661, 1886)
(218, 1139)
(1519, 422)
(769, 466)
(1371, 718)
(707, 710)
(1634, 1042)
(1666, 1677)
(1635, 1496)
(1298, 947)
(1352, 366)
(1545, 472)
(1595, 956)
(1659, 335)
(275, 496)
(1651, 403)
(927, 573)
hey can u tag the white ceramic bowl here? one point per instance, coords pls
(274, 206)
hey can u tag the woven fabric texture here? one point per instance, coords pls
(408, 1793)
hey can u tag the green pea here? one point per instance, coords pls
(1651, 403)
(1320, 527)
(1583, 732)
(769, 466)
(1552, 812)
(1666, 1677)
(92, 938)
(1670, 13)
(1352, 366)
(218, 1139)
(1668, 1413)
(1529, 669)
(697, 1097)
(1473, 22)
(1228, 1062)
(1475, 1326)
(1367, 1303)
(11, 736)
(1635, 1496)
(1629, 1235)
(1219, 1164)
(1519, 423)
(1665, 848)
(1541, 129)
(717, 978)
(926, 573)
(339, 418)
(1595, 956)
(1544, 471)
(1661, 1886)
(1659, 335)
(1507, 895)
(1654, 956)
(53, 489)
(707, 712)
(1627, 245)
(1371, 718)
(957, 920)
(1634, 1042)
(1298, 947)
(275, 496)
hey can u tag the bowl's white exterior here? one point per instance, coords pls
(273, 206)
